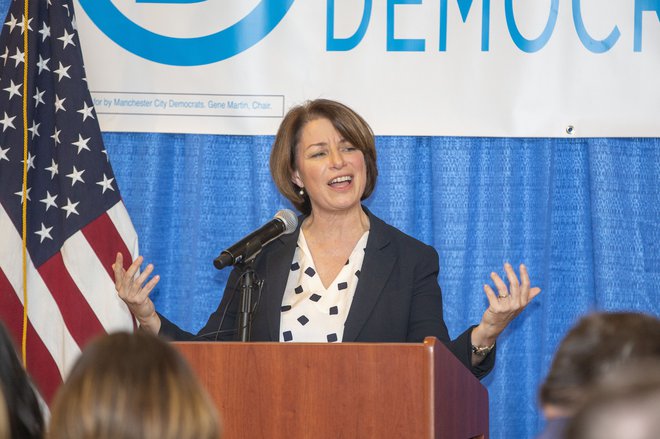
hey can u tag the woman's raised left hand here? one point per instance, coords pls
(504, 304)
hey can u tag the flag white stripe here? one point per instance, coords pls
(122, 221)
(95, 285)
(43, 311)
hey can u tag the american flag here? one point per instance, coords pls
(76, 220)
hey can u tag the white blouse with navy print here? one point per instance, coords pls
(310, 312)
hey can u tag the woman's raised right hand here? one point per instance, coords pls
(135, 293)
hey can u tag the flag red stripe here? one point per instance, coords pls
(41, 365)
(76, 312)
(106, 241)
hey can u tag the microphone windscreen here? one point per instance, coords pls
(289, 219)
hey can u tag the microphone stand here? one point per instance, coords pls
(246, 284)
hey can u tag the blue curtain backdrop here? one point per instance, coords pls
(583, 214)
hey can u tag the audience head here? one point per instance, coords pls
(20, 400)
(624, 405)
(132, 386)
(598, 343)
(347, 122)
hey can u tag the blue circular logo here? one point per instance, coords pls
(186, 51)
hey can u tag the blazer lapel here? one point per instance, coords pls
(379, 259)
(278, 262)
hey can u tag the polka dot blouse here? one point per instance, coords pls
(310, 312)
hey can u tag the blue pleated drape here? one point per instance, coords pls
(583, 214)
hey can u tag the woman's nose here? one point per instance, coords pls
(336, 158)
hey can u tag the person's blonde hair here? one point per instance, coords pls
(347, 122)
(132, 386)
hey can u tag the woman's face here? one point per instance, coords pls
(331, 170)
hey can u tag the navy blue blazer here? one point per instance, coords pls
(397, 299)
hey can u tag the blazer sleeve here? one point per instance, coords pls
(221, 324)
(461, 347)
(426, 316)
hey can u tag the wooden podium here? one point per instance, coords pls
(343, 390)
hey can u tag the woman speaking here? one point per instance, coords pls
(343, 274)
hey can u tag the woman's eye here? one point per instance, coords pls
(318, 154)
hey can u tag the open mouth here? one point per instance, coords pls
(341, 182)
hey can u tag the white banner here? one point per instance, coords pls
(548, 68)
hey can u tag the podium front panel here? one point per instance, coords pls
(317, 390)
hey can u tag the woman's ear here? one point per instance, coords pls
(295, 178)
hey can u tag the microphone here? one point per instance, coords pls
(284, 222)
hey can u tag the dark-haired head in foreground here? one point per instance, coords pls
(624, 405)
(598, 343)
(22, 406)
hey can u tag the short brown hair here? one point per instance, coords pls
(347, 122)
(624, 404)
(596, 344)
(130, 386)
